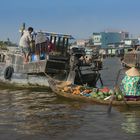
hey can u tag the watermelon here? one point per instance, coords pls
(100, 93)
(105, 89)
(119, 97)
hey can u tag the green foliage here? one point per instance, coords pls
(4, 44)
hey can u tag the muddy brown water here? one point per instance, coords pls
(41, 115)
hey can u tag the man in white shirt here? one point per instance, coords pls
(24, 43)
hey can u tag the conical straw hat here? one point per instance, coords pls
(133, 72)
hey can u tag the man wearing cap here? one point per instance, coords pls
(131, 84)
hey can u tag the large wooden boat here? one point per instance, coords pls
(57, 63)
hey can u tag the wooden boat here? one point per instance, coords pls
(58, 91)
(56, 63)
(96, 101)
(132, 58)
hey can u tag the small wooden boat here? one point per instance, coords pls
(58, 91)
(96, 101)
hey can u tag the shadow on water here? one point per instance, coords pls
(40, 114)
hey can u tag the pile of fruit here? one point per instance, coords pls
(77, 90)
(102, 93)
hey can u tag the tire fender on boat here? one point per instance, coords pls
(8, 72)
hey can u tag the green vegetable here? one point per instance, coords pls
(100, 93)
(119, 97)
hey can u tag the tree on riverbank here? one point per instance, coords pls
(5, 44)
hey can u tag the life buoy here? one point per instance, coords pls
(8, 72)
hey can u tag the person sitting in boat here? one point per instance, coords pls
(131, 84)
(24, 43)
(82, 60)
(88, 59)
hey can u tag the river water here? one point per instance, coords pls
(41, 115)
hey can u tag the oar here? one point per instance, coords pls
(117, 89)
(114, 90)
(110, 104)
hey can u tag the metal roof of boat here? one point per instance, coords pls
(56, 34)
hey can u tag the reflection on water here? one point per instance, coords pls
(132, 116)
(33, 115)
(130, 124)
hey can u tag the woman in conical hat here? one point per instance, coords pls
(131, 83)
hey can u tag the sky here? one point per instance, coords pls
(80, 18)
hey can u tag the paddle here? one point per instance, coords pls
(110, 104)
(114, 90)
(117, 89)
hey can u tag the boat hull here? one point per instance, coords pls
(25, 79)
(96, 101)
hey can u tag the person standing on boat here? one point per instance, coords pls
(24, 43)
(131, 84)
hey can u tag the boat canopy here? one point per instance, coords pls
(48, 34)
